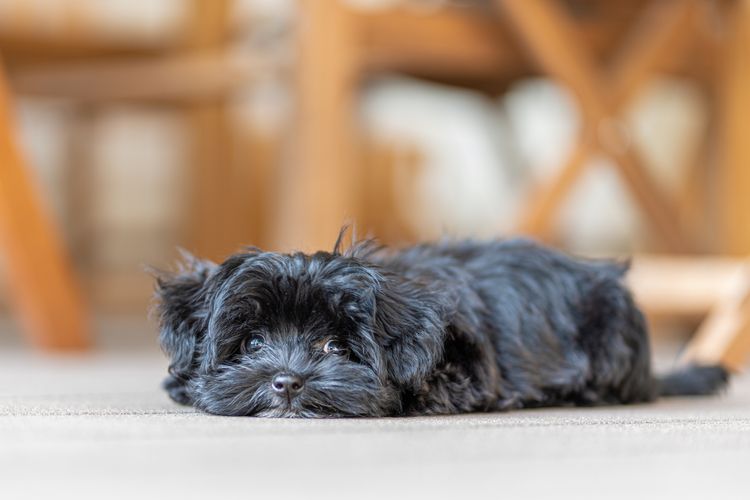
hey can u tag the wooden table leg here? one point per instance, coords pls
(320, 187)
(41, 279)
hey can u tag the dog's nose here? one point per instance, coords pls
(287, 383)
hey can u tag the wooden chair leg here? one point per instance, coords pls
(41, 279)
(212, 230)
(724, 336)
(734, 147)
(322, 184)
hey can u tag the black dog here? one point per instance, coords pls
(433, 329)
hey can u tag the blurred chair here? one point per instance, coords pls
(660, 41)
(189, 68)
(44, 287)
(485, 47)
(72, 57)
(474, 45)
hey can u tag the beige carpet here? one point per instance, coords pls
(99, 427)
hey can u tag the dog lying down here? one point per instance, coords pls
(440, 328)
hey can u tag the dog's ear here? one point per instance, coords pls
(183, 311)
(410, 319)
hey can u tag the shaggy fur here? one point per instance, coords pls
(438, 328)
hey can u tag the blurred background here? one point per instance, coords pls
(600, 127)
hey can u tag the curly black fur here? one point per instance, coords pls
(433, 329)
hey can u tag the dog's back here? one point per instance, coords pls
(564, 330)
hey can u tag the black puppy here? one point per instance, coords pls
(433, 329)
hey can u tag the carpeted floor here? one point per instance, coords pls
(98, 427)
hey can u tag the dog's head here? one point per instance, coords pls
(295, 335)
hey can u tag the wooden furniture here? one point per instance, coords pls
(661, 38)
(339, 48)
(487, 49)
(550, 36)
(734, 148)
(41, 277)
(192, 71)
(714, 291)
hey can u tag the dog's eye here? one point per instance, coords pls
(254, 343)
(335, 347)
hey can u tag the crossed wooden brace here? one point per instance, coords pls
(550, 35)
